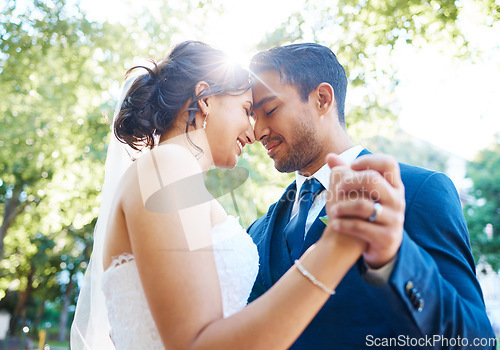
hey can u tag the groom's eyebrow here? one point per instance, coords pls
(263, 101)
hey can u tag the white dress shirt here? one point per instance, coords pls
(374, 276)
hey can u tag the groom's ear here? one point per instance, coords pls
(324, 98)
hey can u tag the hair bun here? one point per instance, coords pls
(137, 124)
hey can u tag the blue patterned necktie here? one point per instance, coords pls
(295, 230)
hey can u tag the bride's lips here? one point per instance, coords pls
(271, 147)
(240, 143)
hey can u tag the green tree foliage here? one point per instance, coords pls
(483, 211)
(53, 128)
(56, 69)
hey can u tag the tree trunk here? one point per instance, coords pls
(63, 324)
(39, 316)
(12, 209)
(20, 310)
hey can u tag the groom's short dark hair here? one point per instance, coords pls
(305, 66)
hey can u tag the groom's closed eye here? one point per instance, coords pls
(271, 111)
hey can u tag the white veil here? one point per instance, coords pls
(90, 328)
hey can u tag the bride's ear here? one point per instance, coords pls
(201, 88)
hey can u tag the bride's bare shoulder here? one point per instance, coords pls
(175, 160)
(157, 168)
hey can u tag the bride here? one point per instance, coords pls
(170, 269)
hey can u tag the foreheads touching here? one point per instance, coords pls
(168, 89)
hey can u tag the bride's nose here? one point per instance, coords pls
(249, 135)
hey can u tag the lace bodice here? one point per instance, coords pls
(132, 326)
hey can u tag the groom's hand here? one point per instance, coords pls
(352, 209)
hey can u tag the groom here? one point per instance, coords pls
(415, 284)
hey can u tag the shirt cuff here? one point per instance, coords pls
(380, 276)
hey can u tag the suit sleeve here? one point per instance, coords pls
(433, 290)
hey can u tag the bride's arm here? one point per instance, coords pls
(277, 318)
(181, 284)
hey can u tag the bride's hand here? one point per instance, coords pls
(340, 172)
(366, 201)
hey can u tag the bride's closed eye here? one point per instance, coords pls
(249, 109)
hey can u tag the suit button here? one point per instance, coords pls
(420, 305)
(408, 287)
(416, 296)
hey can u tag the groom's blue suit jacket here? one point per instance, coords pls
(434, 272)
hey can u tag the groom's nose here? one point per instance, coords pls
(260, 130)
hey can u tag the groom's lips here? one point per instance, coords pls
(271, 147)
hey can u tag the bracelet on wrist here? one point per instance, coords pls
(313, 279)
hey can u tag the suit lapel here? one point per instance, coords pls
(273, 249)
(315, 232)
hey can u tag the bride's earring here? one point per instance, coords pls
(205, 121)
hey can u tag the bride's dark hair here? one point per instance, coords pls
(156, 98)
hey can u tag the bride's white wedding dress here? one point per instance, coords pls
(132, 326)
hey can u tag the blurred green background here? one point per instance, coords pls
(61, 66)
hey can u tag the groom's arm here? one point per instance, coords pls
(256, 230)
(258, 288)
(433, 290)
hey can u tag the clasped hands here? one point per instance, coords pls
(366, 200)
